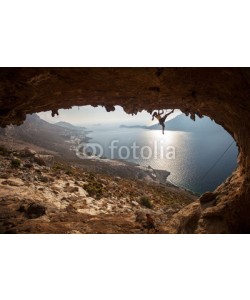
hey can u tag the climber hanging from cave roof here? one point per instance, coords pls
(161, 119)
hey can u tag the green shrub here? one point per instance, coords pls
(4, 151)
(145, 201)
(94, 189)
(65, 168)
(15, 163)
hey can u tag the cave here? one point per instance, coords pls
(219, 93)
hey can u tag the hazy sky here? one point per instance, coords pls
(95, 115)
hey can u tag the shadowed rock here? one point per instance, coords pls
(35, 211)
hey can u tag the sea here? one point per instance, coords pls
(197, 161)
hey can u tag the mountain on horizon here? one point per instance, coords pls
(183, 123)
(68, 125)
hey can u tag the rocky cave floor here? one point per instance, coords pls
(40, 195)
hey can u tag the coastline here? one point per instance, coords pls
(130, 170)
(160, 176)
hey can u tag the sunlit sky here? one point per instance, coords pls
(88, 115)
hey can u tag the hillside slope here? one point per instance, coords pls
(39, 195)
(60, 139)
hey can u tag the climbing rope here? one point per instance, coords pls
(216, 162)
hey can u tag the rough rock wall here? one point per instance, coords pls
(221, 93)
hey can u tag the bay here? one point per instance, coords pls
(188, 156)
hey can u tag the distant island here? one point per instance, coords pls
(183, 123)
(135, 126)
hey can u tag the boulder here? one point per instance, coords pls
(44, 160)
(140, 217)
(44, 179)
(207, 197)
(71, 189)
(28, 165)
(13, 182)
(26, 152)
(4, 176)
(35, 211)
(38, 159)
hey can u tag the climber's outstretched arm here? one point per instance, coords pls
(166, 115)
(170, 112)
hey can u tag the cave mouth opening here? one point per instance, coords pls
(222, 94)
(199, 155)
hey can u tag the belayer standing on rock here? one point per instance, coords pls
(161, 119)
